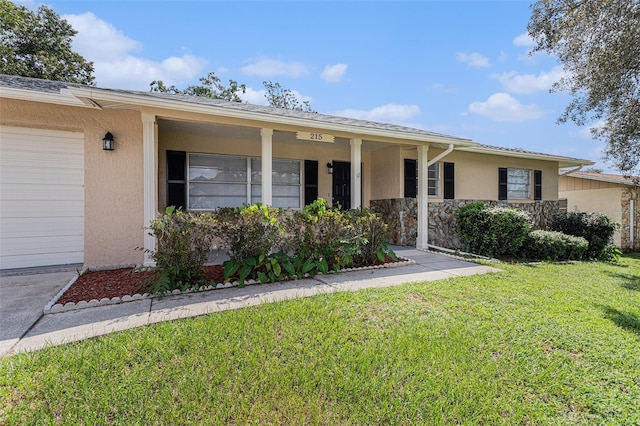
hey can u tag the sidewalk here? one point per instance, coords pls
(64, 327)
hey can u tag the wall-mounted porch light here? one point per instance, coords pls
(330, 168)
(107, 142)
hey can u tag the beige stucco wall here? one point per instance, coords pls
(476, 175)
(196, 143)
(588, 195)
(113, 179)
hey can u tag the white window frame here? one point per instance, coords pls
(510, 182)
(249, 183)
(435, 180)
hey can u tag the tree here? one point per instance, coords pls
(38, 44)
(598, 43)
(284, 98)
(211, 87)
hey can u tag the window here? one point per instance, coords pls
(411, 179)
(231, 181)
(513, 184)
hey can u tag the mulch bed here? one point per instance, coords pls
(124, 281)
(121, 282)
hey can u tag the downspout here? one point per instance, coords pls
(632, 231)
(441, 155)
(576, 169)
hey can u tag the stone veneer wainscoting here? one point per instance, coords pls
(402, 214)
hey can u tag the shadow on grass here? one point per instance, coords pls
(629, 281)
(624, 320)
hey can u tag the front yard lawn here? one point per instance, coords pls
(538, 344)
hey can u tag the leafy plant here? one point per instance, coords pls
(493, 231)
(375, 233)
(183, 244)
(552, 245)
(596, 228)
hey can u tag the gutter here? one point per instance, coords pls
(441, 155)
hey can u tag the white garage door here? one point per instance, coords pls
(41, 197)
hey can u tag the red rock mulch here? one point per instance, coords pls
(121, 282)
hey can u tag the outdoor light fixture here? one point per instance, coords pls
(107, 142)
(330, 168)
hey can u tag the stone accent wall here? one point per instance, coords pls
(402, 214)
(631, 193)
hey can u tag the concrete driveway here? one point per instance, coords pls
(22, 299)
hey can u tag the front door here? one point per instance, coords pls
(342, 184)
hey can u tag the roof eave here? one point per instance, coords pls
(149, 102)
(64, 97)
(562, 161)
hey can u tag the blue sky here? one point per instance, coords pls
(456, 67)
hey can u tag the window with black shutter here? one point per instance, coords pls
(310, 181)
(449, 181)
(537, 184)
(176, 178)
(502, 183)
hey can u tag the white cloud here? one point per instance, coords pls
(255, 97)
(266, 67)
(504, 108)
(529, 83)
(116, 66)
(584, 132)
(389, 113)
(524, 40)
(503, 56)
(474, 60)
(334, 73)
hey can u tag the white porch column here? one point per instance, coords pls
(150, 180)
(356, 173)
(423, 198)
(267, 166)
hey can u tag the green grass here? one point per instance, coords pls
(541, 344)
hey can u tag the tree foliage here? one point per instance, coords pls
(279, 97)
(38, 44)
(210, 86)
(598, 43)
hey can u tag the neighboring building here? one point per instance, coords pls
(614, 195)
(65, 199)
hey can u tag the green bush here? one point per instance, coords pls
(492, 231)
(596, 228)
(249, 231)
(552, 245)
(183, 244)
(375, 233)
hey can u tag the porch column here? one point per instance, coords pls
(267, 166)
(423, 198)
(150, 180)
(356, 173)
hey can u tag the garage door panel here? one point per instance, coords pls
(41, 197)
(41, 245)
(32, 260)
(21, 227)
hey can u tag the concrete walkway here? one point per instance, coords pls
(35, 331)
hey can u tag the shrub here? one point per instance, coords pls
(375, 234)
(492, 231)
(596, 228)
(184, 241)
(551, 245)
(249, 231)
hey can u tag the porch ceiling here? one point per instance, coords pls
(216, 130)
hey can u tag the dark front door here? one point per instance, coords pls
(342, 184)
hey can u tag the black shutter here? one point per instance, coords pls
(176, 179)
(537, 184)
(502, 183)
(449, 181)
(410, 178)
(310, 181)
